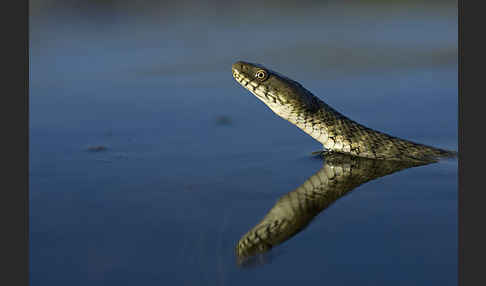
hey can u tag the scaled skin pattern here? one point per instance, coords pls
(337, 133)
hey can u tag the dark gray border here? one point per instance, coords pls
(14, 143)
(472, 240)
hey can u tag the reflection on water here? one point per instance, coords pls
(339, 175)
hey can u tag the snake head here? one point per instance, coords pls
(277, 91)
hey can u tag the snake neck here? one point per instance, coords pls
(338, 133)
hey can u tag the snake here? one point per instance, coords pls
(335, 131)
(340, 174)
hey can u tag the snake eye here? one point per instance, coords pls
(261, 75)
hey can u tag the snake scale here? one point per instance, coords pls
(337, 133)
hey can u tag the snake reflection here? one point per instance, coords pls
(339, 175)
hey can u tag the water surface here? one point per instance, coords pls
(193, 160)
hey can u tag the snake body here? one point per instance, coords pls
(337, 133)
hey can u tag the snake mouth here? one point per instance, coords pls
(244, 74)
(236, 75)
(246, 82)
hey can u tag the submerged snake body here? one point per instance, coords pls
(336, 132)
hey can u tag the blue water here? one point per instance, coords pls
(178, 186)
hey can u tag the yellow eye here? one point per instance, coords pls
(261, 75)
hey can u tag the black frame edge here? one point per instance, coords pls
(471, 197)
(15, 145)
